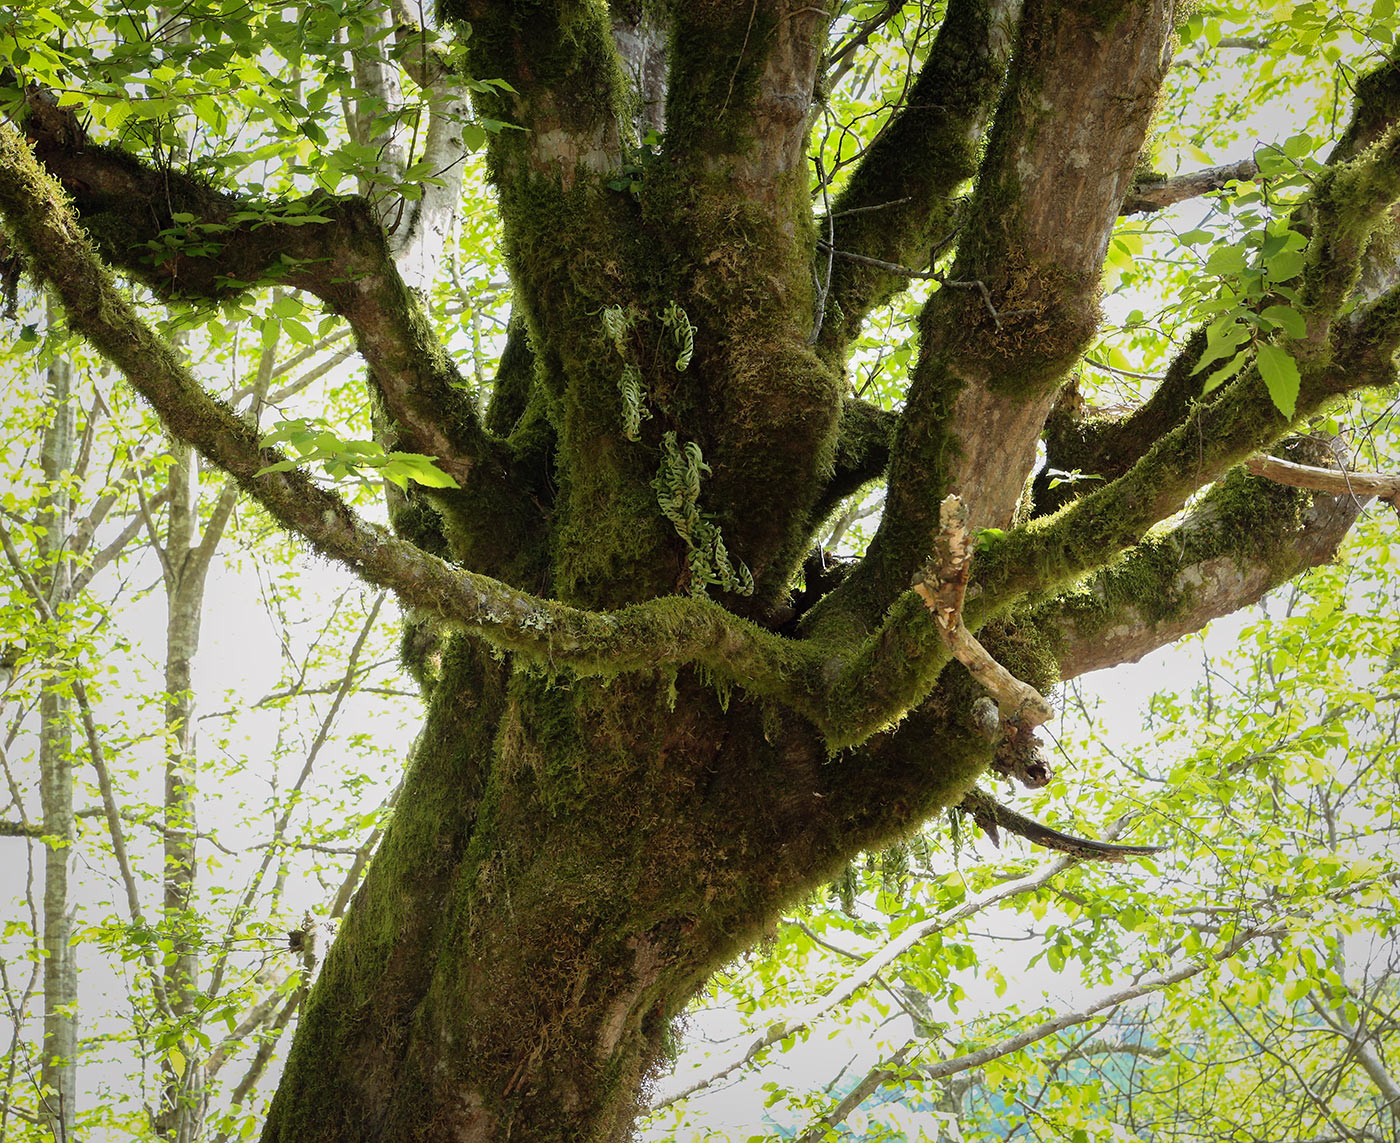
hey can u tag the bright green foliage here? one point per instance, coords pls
(313, 441)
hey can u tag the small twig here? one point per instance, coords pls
(873, 206)
(928, 276)
(824, 287)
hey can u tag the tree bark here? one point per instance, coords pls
(58, 1074)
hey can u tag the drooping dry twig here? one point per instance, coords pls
(991, 816)
(942, 585)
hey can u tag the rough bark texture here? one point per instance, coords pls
(620, 782)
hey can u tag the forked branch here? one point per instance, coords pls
(942, 585)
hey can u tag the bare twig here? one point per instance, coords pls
(926, 275)
(942, 585)
(1337, 481)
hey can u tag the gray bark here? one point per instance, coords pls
(59, 1064)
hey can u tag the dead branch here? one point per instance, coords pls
(1337, 481)
(990, 816)
(1160, 193)
(942, 585)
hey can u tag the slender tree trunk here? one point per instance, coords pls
(59, 1066)
(185, 1097)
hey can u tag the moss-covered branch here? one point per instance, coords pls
(660, 632)
(1040, 557)
(1106, 447)
(331, 247)
(1060, 158)
(1347, 206)
(900, 200)
(862, 453)
(1241, 542)
(1246, 537)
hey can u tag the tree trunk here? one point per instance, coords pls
(621, 781)
(58, 1075)
(567, 865)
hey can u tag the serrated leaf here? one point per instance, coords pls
(1223, 337)
(1280, 374)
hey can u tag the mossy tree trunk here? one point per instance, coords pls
(640, 745)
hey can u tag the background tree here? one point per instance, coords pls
(622, 781)
(204, 984)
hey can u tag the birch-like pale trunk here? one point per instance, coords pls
(58, 1074)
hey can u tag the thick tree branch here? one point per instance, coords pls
(1244, 538)
(569, 91)
(899, 663)
(740, 96)
(1059, 162)
(1046, 554)
(1107, 447)
(1160, 192)
(862, 453)
(900, 199)
(638, 638)
(330, 247)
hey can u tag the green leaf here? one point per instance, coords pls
(473, 137)
(1225, 261)
(1286, 318)
(1280, 373)
(1223, 337)
(278, 466)
(1284, 266)
(1224, 373)
(416, 467)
